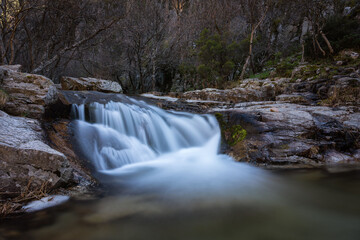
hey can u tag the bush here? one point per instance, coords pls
(343, 32)
(217, 58)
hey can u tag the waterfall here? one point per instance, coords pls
(149, 149)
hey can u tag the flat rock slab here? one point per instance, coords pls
(90, 84)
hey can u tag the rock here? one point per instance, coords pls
(45, 202)
(26, 161)
(283, 134)
(334, 157)
(90, 84)
(349, 53)
(292, 98)
(4, 97)
(86, 97)
(59, 134)
(15, 68)
(339, 63)
(28, 94)
(249, 90)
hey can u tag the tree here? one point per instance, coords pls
(218, 58)
(255, 11)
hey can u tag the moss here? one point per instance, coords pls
(262, 75)
(231, 134)
(235, 134)
(284, 146)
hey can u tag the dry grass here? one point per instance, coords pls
(30, 193)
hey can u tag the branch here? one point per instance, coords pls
(77, 44)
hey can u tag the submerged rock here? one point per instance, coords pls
(90, 84)
(46, 202)
(26, 161)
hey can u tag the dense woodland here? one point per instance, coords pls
(173, 45)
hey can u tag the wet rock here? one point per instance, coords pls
(59, 134)
(27, 94)
(295, 135)
(26, 161)
(46, 202)
(90, 84)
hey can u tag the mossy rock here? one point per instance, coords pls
(231, 134)
(234, 134)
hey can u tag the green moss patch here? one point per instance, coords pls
(231, 134)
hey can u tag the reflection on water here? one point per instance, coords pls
(314, 205)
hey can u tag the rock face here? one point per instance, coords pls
(27, 94)
(293, 135)
(26, 161)
(90, 84)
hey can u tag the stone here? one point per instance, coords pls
(248, 90)
(285, 134)
(15, 68)
(90, 84)
(293, 98)
(26, 160)
(27, 94)
(339, 63)
(349, 53)
(46, 202)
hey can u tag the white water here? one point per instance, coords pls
(147, 149)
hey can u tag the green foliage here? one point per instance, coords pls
(232, 134)
(187, 70)
(217, 58)
(237, 134)
(262, 75)
(343, 32)
(283, 67)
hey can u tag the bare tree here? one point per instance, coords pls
(255, 12)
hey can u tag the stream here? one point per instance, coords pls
(167, 180)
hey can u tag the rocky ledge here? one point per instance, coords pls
(309, 120)
(36, 152)
(280, 134)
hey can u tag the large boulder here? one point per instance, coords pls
(26, 161)
(90, 84)
(25, 94)
(293, 135)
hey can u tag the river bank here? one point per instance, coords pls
(311, 120)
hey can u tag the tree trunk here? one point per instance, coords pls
(303, 52)
(253, 30)
(320, 48)
(327, 42)
(153, 76)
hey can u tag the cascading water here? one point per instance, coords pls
(147, 149)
